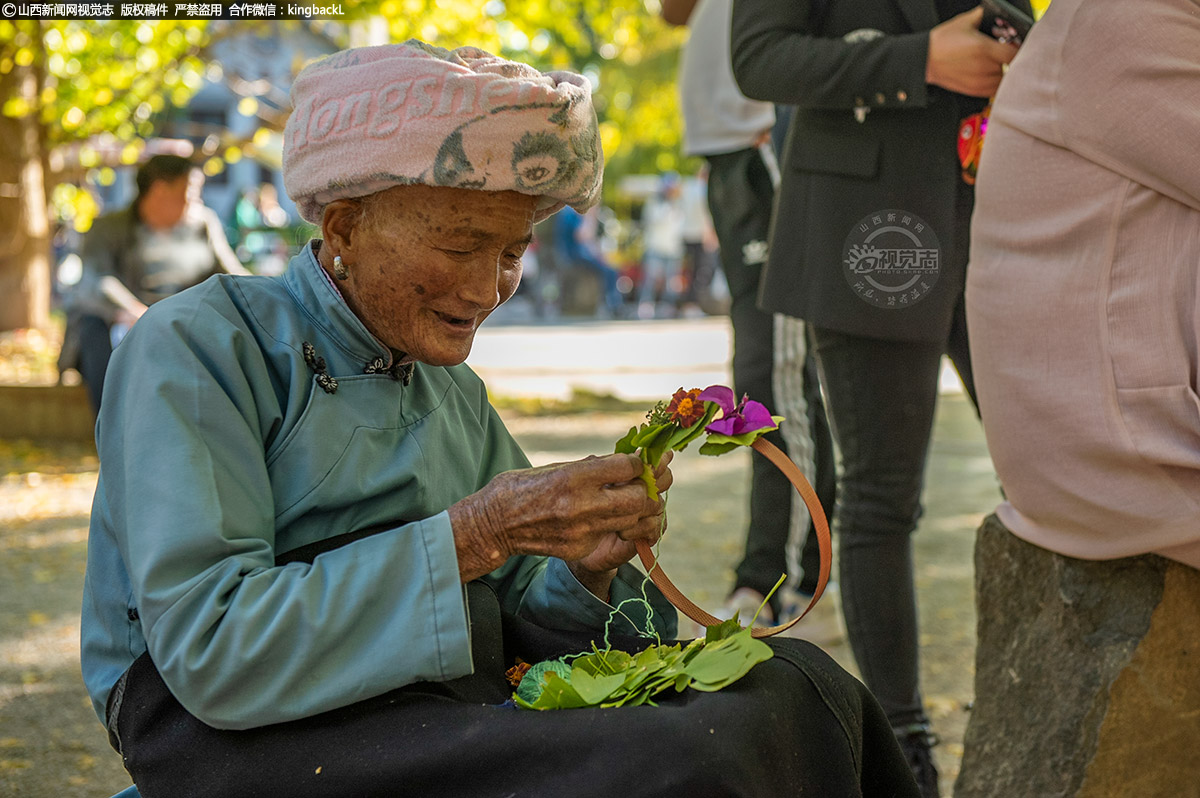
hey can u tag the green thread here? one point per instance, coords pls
(650, 630)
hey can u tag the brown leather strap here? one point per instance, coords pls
(820, 524)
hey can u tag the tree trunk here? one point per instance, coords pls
(24, 223)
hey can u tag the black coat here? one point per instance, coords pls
(868, 135)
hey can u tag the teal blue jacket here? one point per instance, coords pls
(250, 416)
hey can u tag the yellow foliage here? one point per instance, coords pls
(118, 77)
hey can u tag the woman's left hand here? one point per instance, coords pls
(596, 570)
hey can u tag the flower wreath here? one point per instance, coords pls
(605, 677)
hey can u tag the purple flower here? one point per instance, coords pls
(739, 418)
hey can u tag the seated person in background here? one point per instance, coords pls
(315, 548)
(166, 241)
(1082, 300)
(576, 244)
(662, 248)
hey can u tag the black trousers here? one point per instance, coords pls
(882, 398)
(95, 349)
(741, 199)
(795, 725)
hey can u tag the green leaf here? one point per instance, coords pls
(607, 678)
(647, 476)
(559, 694)
(595, 689)
(643, 666)
(653, 454)
(649, 434)
(638, 699)
(625, 445)
(723, 630)
(603, 663)
(744, 439)
(713, 449)
(722, 663)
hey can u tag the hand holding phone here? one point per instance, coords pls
(964, 61)
(1004, 22)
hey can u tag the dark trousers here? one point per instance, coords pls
(882, 396)
(740, 200)
(95, 349)
(796, 724)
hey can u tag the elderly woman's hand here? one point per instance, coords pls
(587, 513)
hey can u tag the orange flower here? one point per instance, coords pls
(685, 407)
(517, 672)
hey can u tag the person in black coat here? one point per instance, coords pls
(869, 245)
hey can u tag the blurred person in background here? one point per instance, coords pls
(769, 350)
(699, 247)
(165, 241)
(577, 244)
(662, 249)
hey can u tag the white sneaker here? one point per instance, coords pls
(744, 602)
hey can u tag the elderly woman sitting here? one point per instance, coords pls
(315, 549)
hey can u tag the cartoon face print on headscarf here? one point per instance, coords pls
(540, 161)
(478, 154)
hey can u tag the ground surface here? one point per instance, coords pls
(51, 745)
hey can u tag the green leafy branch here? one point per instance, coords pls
(610, 678)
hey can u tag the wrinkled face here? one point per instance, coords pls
(428, 264)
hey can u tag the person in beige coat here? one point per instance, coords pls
(1082, 306)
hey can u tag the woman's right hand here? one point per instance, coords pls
(562, 510)
(963, 59)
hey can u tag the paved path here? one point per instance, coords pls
(632, 360)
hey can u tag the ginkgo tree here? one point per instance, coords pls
(68, 89)
(78, 98)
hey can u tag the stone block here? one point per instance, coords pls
(1087, 677)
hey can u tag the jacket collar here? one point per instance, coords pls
(316, 294)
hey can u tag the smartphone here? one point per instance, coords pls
(1004, 22)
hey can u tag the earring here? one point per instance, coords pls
(339, 269)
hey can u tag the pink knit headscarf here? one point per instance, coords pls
(371, 118)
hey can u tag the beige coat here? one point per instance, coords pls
(1082, 289)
